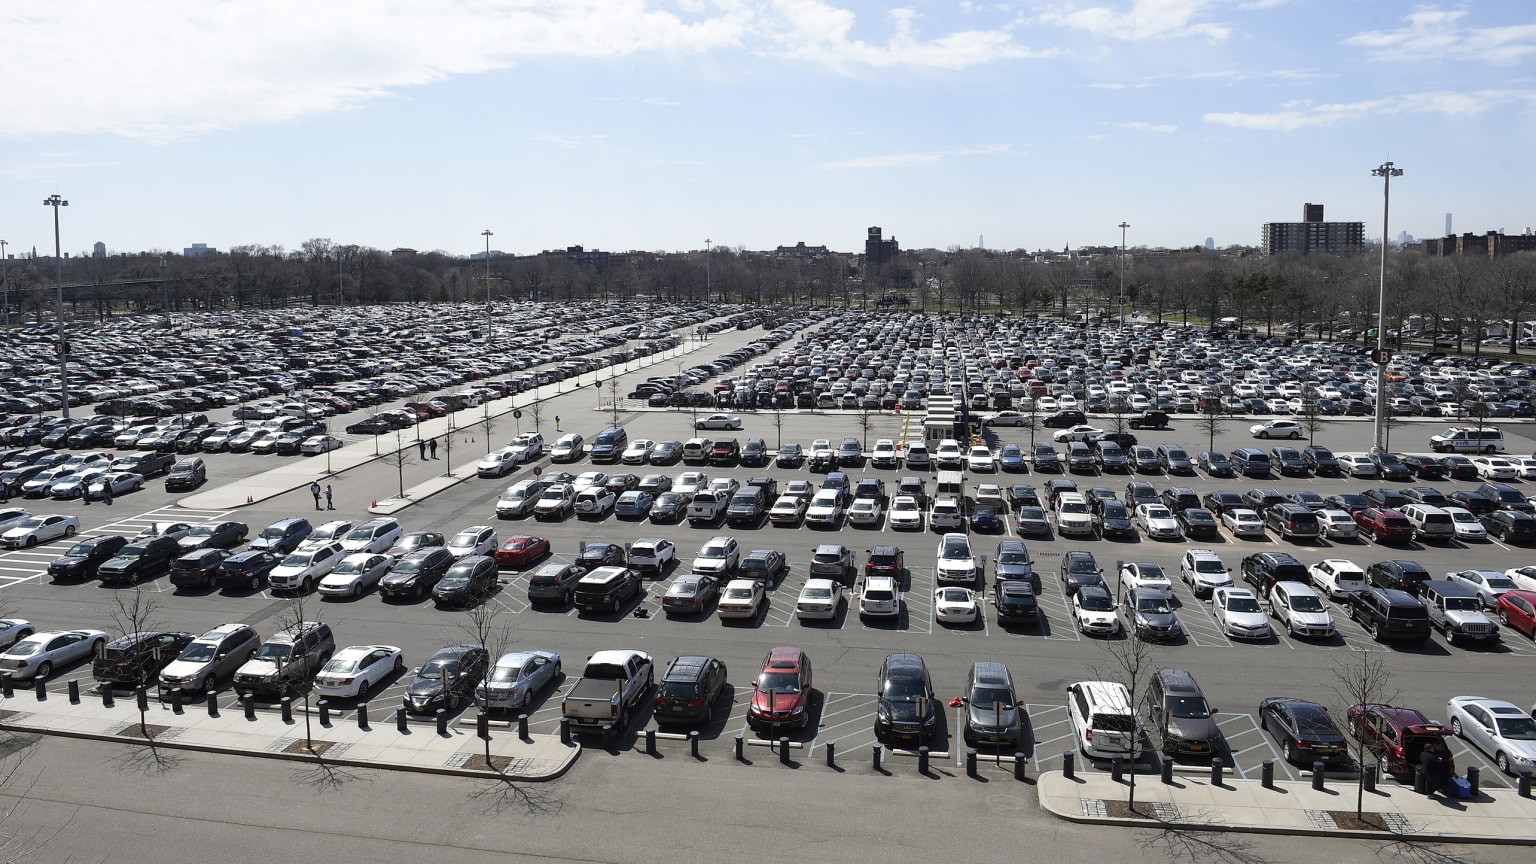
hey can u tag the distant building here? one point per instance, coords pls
(198, 250)
(99, 250)
(1312, 234)
(800, 250)
(402, 252)
(878, 252)
(1210, 242)
(1489, 245)
(587, 259)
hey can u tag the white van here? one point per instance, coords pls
(1468, 439)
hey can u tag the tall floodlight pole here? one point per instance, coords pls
(1123, 226)
(5, 281)
(341, 291)
(165, 293)
(62, 346)
(487, 234)
(708, 286)
(1386, 172)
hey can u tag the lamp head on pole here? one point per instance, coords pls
(1387, 169)
(55, 201)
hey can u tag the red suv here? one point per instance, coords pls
(785, 682)
(1384, 525)
(1395, 736)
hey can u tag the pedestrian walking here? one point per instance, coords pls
(106, 492)
(432, 445)
(557, 422)
(328, 504)
(422, 444)
(85, 493)
(314, 489)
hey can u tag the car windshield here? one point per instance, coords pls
(1176, 453)
(25, 648)
(1191, 707)
(340, 664)
(1502, 583)
(1314, 722)
(1150, 572)
(1517, 728)
(437, 670)
(1306, 603)
(719, 552)
(272, 533)
(1243, 604)
(506, 674)
(779, 682)
(348, 568)
(1082, 565)
(198, 652)
(466, 538)
(79, 550)
(1074, 507)
(290, 561)
(1463, 516)
(1463, 604)
(955, 551)
(1153, 606)
(985, 697)
(1013, 557)
(904, 691)
(273, 651)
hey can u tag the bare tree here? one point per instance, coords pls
(1032, 419)
(1312, 417)
(536, 408)
(483, 625)
(1130, 662)
(1211, 420)
(294, 618)
(1363, 678)
(136, 612)
(448, 441)
(613, 396)
(778, 420)
(1119, 408)
(398, 458)
(864, 419)
(487, 424)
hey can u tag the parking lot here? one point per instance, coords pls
(847, 650)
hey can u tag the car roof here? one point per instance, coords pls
(991, 673)
(903, 665)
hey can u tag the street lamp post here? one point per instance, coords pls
(62, 347)
(487, 235)
(1123, 226)
(341, 286)
(5, 281)
(165, 293)
(708, 285)
(1386, 172)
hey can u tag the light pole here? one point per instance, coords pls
(487, 234)
(5, 281)
(341, 291)
(1123, 226)
(165, 293)
(62, 346)
(708, 287)
(1386, 172)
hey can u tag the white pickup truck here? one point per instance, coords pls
(610, 687)
(707, 505)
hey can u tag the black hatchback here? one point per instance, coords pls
(247, 569)
(689, 690)
(468, 582)
(82, 559)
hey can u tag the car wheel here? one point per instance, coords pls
(362, 689)
(1295, 436)
(1263, 434)
(43, 670)
(309, 585)
(255, 584)
(1502, 761)
(1504, 617)
(31, 541)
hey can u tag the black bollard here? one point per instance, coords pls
(1069, 765)
(650, 742)
(402, 719)
(1420, 781)
(7, 687)
(108, 698)
(141, 695)
(522, 726)
(1368, 778)
(740, 748)
(212, 701)
(970, 762)
(565, 735)
(176, 701)
(1267, 774)
(442, 721)
(362, 716)
(1216, 765)
(249, 702)
(74, 691)
(40, 686)
(1020, 767)
(831, 754)
(287, 708)
(1116, 770)
(1317, 776)
(325, 711)
(693, 743)
(1168, 770)
(922, 760)
(874, 753)
(1523, 788)
(1474, 779)
(784, 751)
(483, 725)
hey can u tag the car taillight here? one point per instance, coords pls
(1304, 745)
(613, 709)
(695, 703)
(1088, 736)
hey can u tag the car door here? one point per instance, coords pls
(65, 647)
(1481, 729)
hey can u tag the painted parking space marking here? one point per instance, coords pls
(1249, 746)
(1053, 734)
(1200, 626)
(847, 721)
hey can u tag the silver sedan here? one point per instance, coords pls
(39, 654)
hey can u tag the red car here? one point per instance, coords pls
(786, 676)
(1517, 609)
(521, 551)
(1395, 736)
(1384, 525)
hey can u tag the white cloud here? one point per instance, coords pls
(1300, 115)
(155, 70)
(1136, 126)
(48, 166)
(1142, 20)
(1437, 34)
(902, 160)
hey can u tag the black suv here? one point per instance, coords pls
(1221, 501)
(1406, 576)
(82, 559)
(1321, 461)
(885, 561)
(1288, 460)
(1065, 419)
(198, 568)
(138, 657)
(907, 710)
(468, 582)
(1388, 614)
(1263, 569)
(754, 453)
(1507, 496)
(688, 691)
(1179, 498)
(136, 559)
(1078, 568)
(415, 575)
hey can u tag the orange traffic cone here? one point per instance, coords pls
(373, 503)
(250, 499)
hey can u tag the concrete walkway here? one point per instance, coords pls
(342, 743)
(1493, 816)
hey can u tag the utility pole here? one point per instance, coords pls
(62, 346)
(1386, 172)
(487, 234)
(708, 289)
(165, 293)
(1123, 226)
(5, 280)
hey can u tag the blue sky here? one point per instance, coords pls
(658, 124)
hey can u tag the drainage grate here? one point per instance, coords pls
(1397, 823)
(457, 760)
(1094, 807)
(1322, 819)
(1165, 811)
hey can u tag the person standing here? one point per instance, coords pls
(422, 445)
(328, 504)
(106, 492)
(557, 423)
(1437, 766)
(314, 489)
(432, 446)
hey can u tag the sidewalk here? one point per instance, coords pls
(1493, 816)
(342, 743)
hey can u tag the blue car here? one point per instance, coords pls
(634, 504)
(985, 520)
(1010, 458)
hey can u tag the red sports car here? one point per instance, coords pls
(1517, 609)
(521, 551)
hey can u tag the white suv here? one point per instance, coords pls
(1072, 514)
(1204, 571)
(1276, 429)
(1103, 720)
(917, 456)
(880, 597)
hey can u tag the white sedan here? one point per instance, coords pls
(1468, 526)
(1356, 465)
(1338, 524)
(317, 444)
(39, 529)
(474, 540)
(905, 514)
(1495, 468)
(498, 462)
(1523, 577)
(122, 483)
(819, 599)
(864, 511)
(1147, 576)
(719, 421)
(741, 598)
(355, 574)
(638, 451)
(979, 458)
(1076, 433)
(955, 605)
(357, 669)
(39, 654)
(1238, 612)
(1243, 522)
(1157, 522)
(13, 630)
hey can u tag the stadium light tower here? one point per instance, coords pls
(62, 346)
(1386, 172)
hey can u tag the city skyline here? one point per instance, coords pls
(628, 124)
